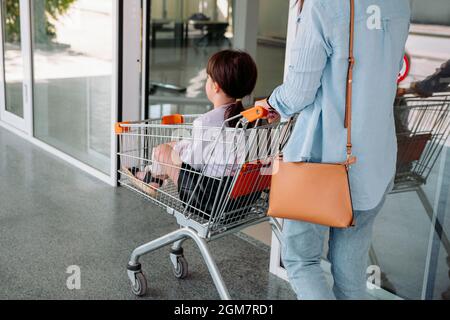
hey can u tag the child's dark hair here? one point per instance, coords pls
(236, 73)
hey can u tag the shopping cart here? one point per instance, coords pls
(423, 127)
(220, 198)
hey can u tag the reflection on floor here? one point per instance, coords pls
(52, 216)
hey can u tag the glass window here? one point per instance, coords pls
(13, 61)
(184, 34)
(411, 243)
(73, 63)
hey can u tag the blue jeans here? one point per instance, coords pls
(303, 245)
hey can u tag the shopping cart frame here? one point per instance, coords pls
(176, 239)
(200, 233)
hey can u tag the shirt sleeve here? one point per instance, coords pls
(309, 55)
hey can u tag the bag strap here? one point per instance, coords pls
(349, 86)
(349, 90)
(300, 5)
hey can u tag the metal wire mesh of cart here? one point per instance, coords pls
(216, 177)
(423, 126)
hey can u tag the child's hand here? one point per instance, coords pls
(273, 114)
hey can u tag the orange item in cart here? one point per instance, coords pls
(172, 119)
(253, 177)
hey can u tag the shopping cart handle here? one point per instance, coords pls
(119, 128)
(255, 113)
(172, 119)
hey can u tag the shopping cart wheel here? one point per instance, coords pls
(140, 286)
(180, 270)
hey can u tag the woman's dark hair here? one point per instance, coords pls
(236, 73)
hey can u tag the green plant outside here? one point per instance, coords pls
(43, 8)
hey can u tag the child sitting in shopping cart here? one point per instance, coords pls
(231, 75)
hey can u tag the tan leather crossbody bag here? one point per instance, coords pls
(318, 193)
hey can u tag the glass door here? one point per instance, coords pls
(73, 77)
(59, 76)
(181, 36)
(15, 88)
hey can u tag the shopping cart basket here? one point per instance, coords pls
(220, 198)
(423, 127)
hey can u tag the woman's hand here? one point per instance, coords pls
(401, 92)
(273, 114)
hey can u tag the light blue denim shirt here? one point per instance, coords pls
(315, 88)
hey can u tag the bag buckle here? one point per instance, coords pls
(351, 160)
